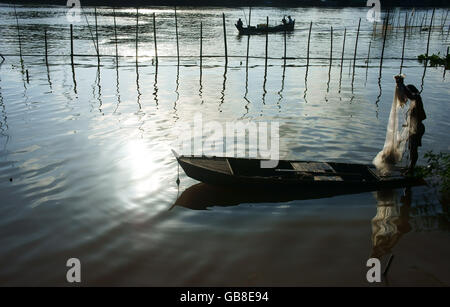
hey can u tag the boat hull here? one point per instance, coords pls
(247, 173)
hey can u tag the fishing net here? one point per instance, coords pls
(397, 133)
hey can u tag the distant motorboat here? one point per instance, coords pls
(264, 28)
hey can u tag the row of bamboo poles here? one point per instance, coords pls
(411, 21)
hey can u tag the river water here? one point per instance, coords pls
(86, 169)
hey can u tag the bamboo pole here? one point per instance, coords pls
(154, 37)
(442, 17)
(421, 23)
(445, 68)
(384, 41)
(201, 45)
(267, 42)
(96, 37)
(368, 55)
(343, 50)
(331, 59)
(137, 34)
(331, 47)
(309, 40)
(429, 31)
(225, 39)
(356, 47)
(284, 46)
(417, 18)
(115, 38)
(445, 20)
(71, 44)
(176, 34)
(374, 29)
(404, 40)
(46, 47)
(18, 33)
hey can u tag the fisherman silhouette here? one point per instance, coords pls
(397, 136)
(239, 24)
(289, 20)
(416, 116)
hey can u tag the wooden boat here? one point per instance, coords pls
(291, 175)
(261, 29)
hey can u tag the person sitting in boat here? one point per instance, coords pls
(284, 20)
(239, 24)
(290, 21)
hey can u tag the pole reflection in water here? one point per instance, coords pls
(423, 76)
(138, 90)
(3, 120)
(391, 221)
(200, 90)
(306, 84)
(48, 78)
(73, 78)
(264, 87)
(155, 85)
(117, 88)
(380, 92)
(177, 84)
(99, 97)
(222, 97)
(246, 80)
(282, 86)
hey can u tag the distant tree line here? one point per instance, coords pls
(233, 3)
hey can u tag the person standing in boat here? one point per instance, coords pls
(416, 115)
(239, 24)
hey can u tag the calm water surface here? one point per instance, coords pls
(88, 152)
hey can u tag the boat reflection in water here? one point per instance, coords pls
(201, 196)
(391, 221)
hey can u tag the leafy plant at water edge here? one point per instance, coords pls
(438, 170)
(435, 60)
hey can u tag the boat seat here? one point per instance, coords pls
(328, 178)
(313, 167)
